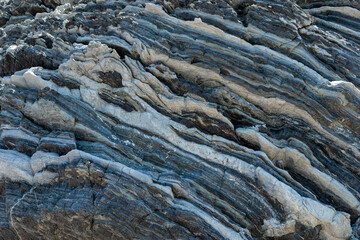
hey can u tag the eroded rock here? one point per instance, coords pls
(179, 119)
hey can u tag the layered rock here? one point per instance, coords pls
(180, 119)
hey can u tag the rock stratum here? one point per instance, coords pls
(185, 119)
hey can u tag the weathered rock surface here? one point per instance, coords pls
(180, 119)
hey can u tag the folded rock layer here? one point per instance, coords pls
(182, 119)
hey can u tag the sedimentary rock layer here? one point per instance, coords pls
(180, 119)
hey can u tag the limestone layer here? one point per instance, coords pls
(221, 119)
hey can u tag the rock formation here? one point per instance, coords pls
(184, 119)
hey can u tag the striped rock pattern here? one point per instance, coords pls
(186, 119)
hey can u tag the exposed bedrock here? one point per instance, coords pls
(215, 119)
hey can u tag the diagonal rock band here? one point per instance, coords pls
(180, 119)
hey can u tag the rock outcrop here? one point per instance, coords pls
(221, 119)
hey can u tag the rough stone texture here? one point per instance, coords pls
(221, 119)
